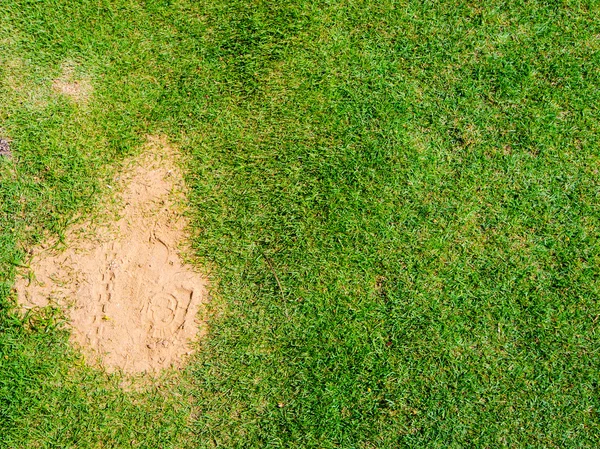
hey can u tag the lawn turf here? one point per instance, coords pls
(398, 203)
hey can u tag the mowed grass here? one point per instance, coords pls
(398, 204)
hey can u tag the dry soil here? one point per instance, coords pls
(132, 301)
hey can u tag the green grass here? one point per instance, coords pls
(398, 203)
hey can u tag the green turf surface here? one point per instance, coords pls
(399, 204)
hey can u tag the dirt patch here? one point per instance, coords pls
(132, 300)
(68, 84)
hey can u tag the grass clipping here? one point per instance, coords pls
(131, 299)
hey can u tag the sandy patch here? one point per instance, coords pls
(131, 299)
(69, 85)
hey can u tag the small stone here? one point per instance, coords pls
(5, 150)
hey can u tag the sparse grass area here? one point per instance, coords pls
(399, 203)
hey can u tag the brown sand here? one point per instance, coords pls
(131, 299)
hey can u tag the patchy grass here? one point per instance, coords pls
(399, 204)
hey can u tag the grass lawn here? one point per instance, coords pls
(399, 203)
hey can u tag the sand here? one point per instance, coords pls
(132, 301)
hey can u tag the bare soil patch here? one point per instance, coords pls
(132, 300)
(68, 84)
